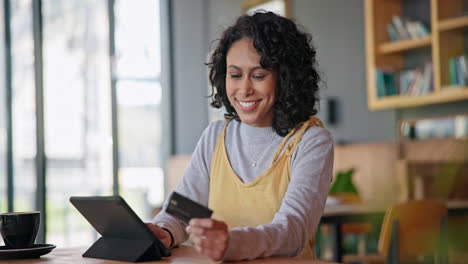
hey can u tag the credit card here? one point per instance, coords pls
(184, 208)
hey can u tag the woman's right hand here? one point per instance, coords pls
(211, 237)
(160, 233)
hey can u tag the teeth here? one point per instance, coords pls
(247, 104)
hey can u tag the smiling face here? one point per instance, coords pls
(251, 89)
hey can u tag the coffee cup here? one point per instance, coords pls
(19, 230)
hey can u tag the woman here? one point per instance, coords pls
(265, 171)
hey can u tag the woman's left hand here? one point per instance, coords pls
(210, 236)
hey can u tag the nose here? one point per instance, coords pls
(245, 87)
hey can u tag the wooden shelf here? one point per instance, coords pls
(453, 23)
(447, 40)
(447, 94)
(404, 45)
(454, 89)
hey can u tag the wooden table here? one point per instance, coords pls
(182, 255)
(336, 215)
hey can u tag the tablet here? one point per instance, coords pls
(112, 217)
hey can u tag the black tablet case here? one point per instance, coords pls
(124, 236)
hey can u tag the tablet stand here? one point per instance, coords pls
(123, 250)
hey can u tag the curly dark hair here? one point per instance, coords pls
(285, 50)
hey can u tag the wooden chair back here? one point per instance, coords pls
(419, 229)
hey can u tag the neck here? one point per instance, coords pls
(256, 135)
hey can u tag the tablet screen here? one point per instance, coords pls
(111, 216)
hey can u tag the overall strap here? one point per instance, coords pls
(283, 142)
(228, 120)
(313, 121)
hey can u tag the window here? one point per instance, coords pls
(23, 105)
(137, 76)
(77, 84)
(280, 7)
(3, 126)
(78, 138)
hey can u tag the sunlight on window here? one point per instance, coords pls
(77, 110)
(3, 127)
(275, 6)
(24, 105)
(137, 39)
(76, 113)
(138, 64)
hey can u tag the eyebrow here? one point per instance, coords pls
(251, 69)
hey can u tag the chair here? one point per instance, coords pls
(412, 232)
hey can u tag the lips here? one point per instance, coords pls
(248, 105)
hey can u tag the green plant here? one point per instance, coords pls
(344, 183)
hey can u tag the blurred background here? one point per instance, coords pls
(109, 97)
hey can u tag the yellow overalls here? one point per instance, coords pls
(254, 203)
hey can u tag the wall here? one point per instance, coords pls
(190, 25)
(337, 27)
(221, 15)
(434, 110)
(341, 60)
(196, 23)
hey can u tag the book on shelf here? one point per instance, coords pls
(452, 72)
(428, 85)
(418, 81)
(386, 85)
(405, 29)
(400, 27)
(413, 82)
(392, 32)
(459, 62)
(463, 69)
(458, 73)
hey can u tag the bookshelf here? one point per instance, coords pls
(453, 23)
(447, 21)
(404, 45)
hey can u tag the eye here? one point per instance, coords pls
(258, 76)
(235, 75)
